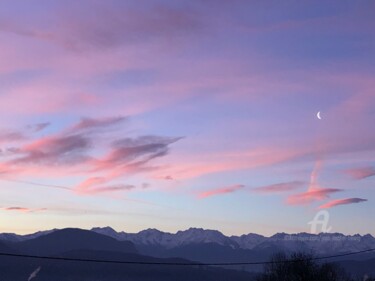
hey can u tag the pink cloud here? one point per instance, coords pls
(338, 202)
(9, 170)
(95, 185)
(121, 24)
(97, 123)
(279, 187)
(83, 32)
(64, 98)
(314, 192)
(361, 173)
(177, 84)
(38, 127)
(11, 136)
(54, 150)
(311, 196)
(132, 153)
(89, 183)
(215, 74)
(221, 191)
(23, 209)
(187, 166)
(18, 209)
(71, 152)
(111, 188)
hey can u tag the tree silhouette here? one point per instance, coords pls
(301, 267)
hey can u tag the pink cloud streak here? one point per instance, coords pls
(279, 187)
(194, 166)
(361, 173)
(23, 209)
(221, 191)
(338, 202)
(311, 196)
(83, 150)
(314, 192)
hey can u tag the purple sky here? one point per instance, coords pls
(171, 114)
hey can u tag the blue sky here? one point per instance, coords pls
(183, 114)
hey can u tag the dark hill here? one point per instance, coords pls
(70, 239)
(20, 268)
(361, 268)
(5, 248)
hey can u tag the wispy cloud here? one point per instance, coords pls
(339, 202)
(131, 152)
(193, 166)
(361, 173)
(80, 149)
(91, 182)
(311, 196)
(87, 124)
(23, 209)
(145, 185)
(279, 187)
(120, 24)
(112, 188)
(314, 192)
(221, 191)
(127, 57)
(38, 127)
(19, 209)
(7, 136)
(55, 150)
(95, 185)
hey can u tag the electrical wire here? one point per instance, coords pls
(182, 263)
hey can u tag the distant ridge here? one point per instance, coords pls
(193, 244)
(155, 237)
(70, 239)
(245, 241)
(19, 259)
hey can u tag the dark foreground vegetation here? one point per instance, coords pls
(303, 267)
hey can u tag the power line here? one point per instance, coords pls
(183, 263)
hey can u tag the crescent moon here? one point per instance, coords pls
(318, 115)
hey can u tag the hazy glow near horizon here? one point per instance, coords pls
(185, 114)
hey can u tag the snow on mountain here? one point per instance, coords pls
(322, 243)
(248, 241)
(200, 235)
(152, 237)
(169, 240)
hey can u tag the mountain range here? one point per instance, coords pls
(323, 243)
(191, 245)
(85, 244)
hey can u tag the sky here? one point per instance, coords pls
(178, 114)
